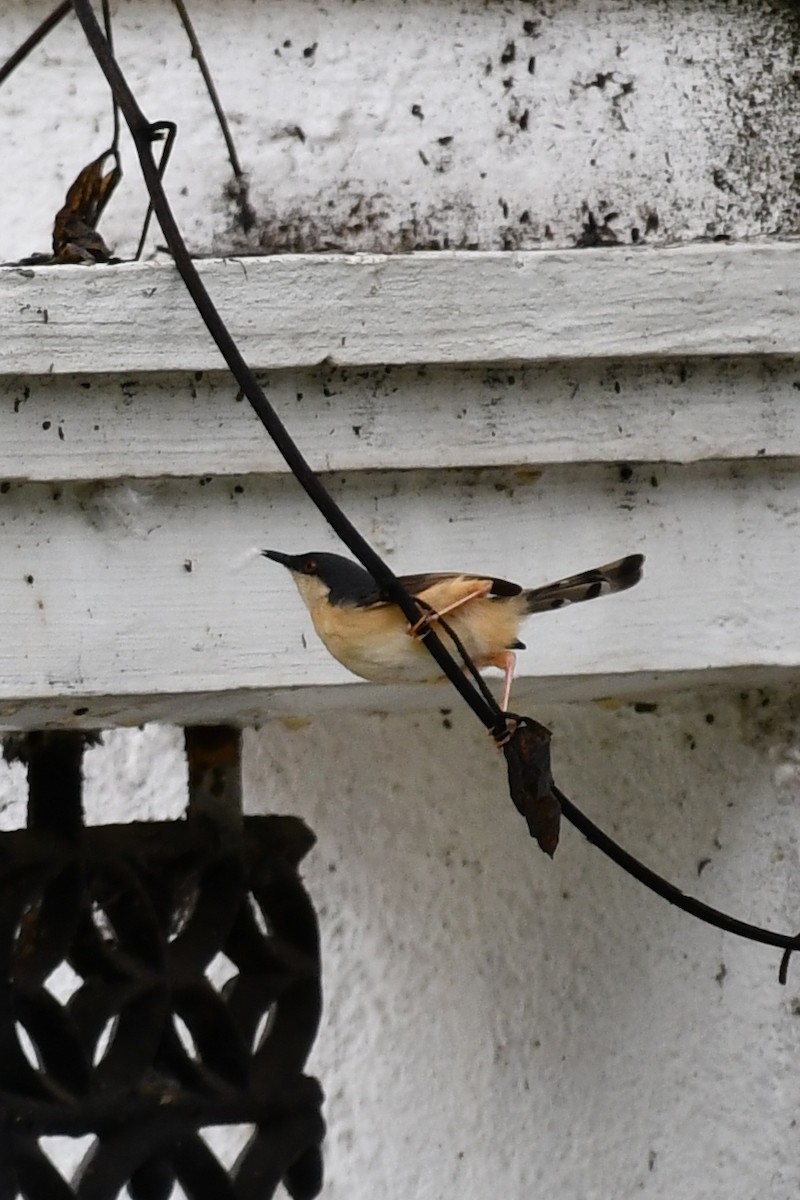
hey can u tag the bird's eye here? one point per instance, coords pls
(310, 566)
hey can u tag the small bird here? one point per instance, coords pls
(367, 633)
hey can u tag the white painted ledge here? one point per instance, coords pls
(124, 602)
(401, 418)
(437, 308)
(144, 598)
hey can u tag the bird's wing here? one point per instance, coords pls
(447, 589)
(415, 585)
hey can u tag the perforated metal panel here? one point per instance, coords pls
(158, 979)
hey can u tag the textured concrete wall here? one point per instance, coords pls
(394, 126)
(496, 1025)
(500, 1025)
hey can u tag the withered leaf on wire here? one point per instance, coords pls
(530, 781)
(75, 236)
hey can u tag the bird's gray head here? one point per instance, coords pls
(319, 573)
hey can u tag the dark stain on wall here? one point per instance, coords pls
(753, 177)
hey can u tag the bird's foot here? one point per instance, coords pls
(420, 628)
(501, 734)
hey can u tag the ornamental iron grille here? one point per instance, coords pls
(147, 1051)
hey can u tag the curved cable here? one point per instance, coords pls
(488, 713)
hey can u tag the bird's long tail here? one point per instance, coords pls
(601, 581)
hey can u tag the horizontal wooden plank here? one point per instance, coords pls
(297, 706)
(375, 418)
(446, 307)
(120, 597)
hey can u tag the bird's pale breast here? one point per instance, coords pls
(375, 643)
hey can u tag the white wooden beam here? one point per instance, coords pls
(124, 601)
(298, 706)
(377, 418)
(446, 307)
(128, 601)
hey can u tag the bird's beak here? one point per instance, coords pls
(284, 559)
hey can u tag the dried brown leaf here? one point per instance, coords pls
(75, 237)
(530, 781)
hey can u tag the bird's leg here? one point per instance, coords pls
(506, 661)
(428, 618)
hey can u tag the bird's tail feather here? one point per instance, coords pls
(600, 581)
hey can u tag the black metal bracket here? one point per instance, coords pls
(192, 953)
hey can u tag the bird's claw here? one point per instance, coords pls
(421, 627)
(503, 736)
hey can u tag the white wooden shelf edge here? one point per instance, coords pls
(431, 307)
(169, 424)
(297, 705)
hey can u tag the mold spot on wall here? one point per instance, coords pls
(344, 221)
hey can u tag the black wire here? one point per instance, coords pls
(668, 891)
(480, 682)
(39, 34)
(246, 213)
(170, 132)
(141, 132)
(114, 106)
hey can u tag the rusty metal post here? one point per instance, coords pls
(214, 759)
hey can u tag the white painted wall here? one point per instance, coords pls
(497, 1024)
